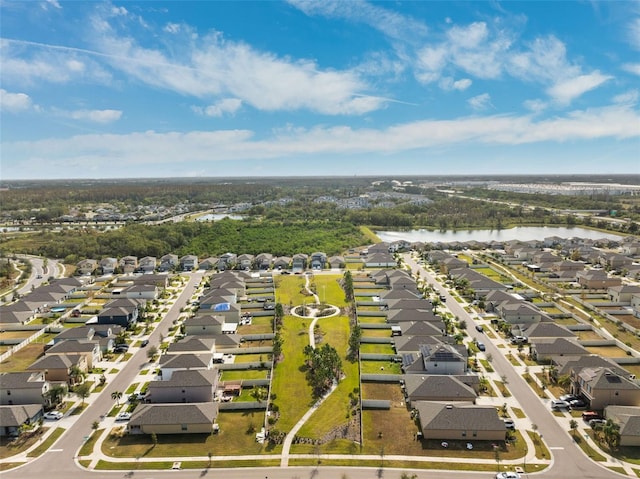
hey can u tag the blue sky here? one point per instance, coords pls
(197, 89)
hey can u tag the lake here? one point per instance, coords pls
(218, 217)
(522, 233)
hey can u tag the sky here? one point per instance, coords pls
(318, 88)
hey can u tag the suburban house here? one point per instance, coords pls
(24, 388)
(628, 420)
(147, 264)
(169, 363)
(299, 262)
(13, 417)
(245, 262)
(459, 421)
(189, 262)
(380, 260)
(15, 313)
(108, 265)
(546, 329)
(336, 262)
(438, 358)
(597, 279)
(227, 261)
(135, 291)
(544, 350)
(59, 367)
(519, 312)
(264, 261)
(161, 281)
(437, 388)
(128, 264)
(602, 387)
(281, 262)
(84, 347)
(572, 365)
(86, 266)
(192, 344)
(203, 324)
(196, 418)
(622, 293)
(102, 334)
(168, 262)
(184, 386)
(412, 315)
(451, 263)
(318, 260)
(125, 316)
(209, 263)
(479, 283)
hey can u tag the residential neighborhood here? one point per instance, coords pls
(423, 368)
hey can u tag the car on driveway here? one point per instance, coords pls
(508, 475)
(559, 404)
(578, 404)
(519, 340)
(123, 416)
(509, 424)
(589, 415)
(53, 415)
(568, 397)
(594, 423)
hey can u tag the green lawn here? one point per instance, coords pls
(376, 348)
(376, 367)
(335, 410)
(237, 375)
(289, 290)
(293, 394)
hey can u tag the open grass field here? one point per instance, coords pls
(289, 380)
(372, 319)
(289, 290)
(376, 348)
(335, 410)
(328, 289)
(376, 333)
(259, 325)
(237, 375)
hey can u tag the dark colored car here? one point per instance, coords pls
(479, 328)
(144, 343)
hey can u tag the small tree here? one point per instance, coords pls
(154, 439)
(573, 424)
(152, 352)
(82, 391)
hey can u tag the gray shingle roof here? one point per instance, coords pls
(171, 414)
(456, 416)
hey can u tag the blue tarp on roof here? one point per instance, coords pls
(222, 307)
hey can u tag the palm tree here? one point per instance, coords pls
(116, 396)
(611, 433)
(76, 374)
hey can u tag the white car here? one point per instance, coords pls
(53, 415)
(558, 404)
(508, 475)
(123, 416)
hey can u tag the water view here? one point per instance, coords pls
(522, 233)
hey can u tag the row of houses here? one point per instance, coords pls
(436, 380)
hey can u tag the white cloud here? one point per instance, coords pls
(564, 92)
(632, 68)
(96, 116)
(390, 23)
(634, 33)
(535, 106)
(214, 67)
(629, 97)
(119, 11)
(53, 3)
(14, 102)
(172, 27)
(449, 83)
(110, 152)
(220, 108)
(480, 102)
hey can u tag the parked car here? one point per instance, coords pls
(479, 328)
(589, 415)
(594, 423)
(568, 397)
(53, 415)
(519, 340)
(509, 424)
(481, 346)
(145, 342)
(269, 306)
(121, 348)
(508, 475)
(123, 416)
(558, 404)
(578, 404)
